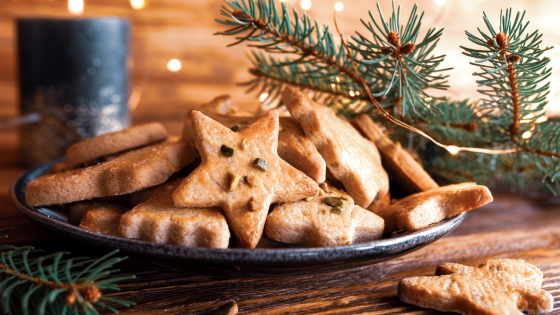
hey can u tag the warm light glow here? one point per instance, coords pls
(76, 7)
(339, 6)
(138, 4)
(452, 149)
(337, 79)
(526, 135)
(357, 92)
(528, 116)
(352, 93)
(439, 2)
(427, 99)
(263, 97)
(541, 119)
(333, 85)
(174, 65)
(305, 4)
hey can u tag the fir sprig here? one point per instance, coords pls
(399, 68)
(54, 285)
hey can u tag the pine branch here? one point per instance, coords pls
(62, 286)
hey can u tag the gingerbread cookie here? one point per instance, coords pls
(298, 151)
(223, 110)
(76, 210)
(496, 287)
(129, 172)
(141, 196)
(158, 220)
(103, 218)
(351, 158)
(241, 173)
(115, 142)
(420, 210)
(396, 160)
(329, 220)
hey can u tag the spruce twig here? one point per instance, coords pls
(53, 285)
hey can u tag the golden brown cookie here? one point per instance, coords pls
(420, 210)
(241, 173)
(129, 172)
(158, 220)
(496, 287)
(141, 196)
(76, 210)
(396, 160)
(329, 220)
(223, 110)
(103, 218)
(115, 142)
(298, 151)
(351, 158)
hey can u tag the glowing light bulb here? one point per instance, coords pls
(76, 7)
(452, 149)
(263, 97)
(439, 2)
(526, 135)
(352, 93)
(138, 4)
(305, 4)
(337, 79)
(427, 99)
(174, 65)
(333, 85)
(339, 6)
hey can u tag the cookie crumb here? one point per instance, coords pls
(244, 144)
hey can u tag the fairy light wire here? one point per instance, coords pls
(451, 148)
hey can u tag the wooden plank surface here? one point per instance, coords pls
(510, 227)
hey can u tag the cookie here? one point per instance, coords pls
(329, 220)
(298, 151)
(159, 220)
(418, 211)
(241, 173)
(397, 161)
(76, 210)
(103, 218)
(351, 158)
(496, 287)
(223, 110)
(141, 196)
(129, 172)
(115, 142)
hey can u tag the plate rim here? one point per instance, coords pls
(267, 256)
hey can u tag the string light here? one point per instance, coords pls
(451, 148)
(339, 6)
(526, 135)
(263, 97)
(305, 4)
(427, 99)
(439, 2)
(174, 65)
(352, 93)
(76, 7)
(138, 4)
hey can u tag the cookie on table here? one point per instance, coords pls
(76, 210)
(113, 143)
(398, 162)
(298, 151)
(241, 173)
(351, 158)
(496, 287)
(103, 218)
(223, 110)
(418, 211)
(329, 220)
(159, 220)
(131, 171)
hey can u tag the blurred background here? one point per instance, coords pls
(176, 62)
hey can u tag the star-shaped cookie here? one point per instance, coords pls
(351, 158)
(496, 287)
(241, 173)
(315, 223)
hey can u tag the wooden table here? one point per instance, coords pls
(510, 227)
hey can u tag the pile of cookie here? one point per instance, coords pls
(309, 178)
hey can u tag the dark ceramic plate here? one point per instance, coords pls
(269, 259)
